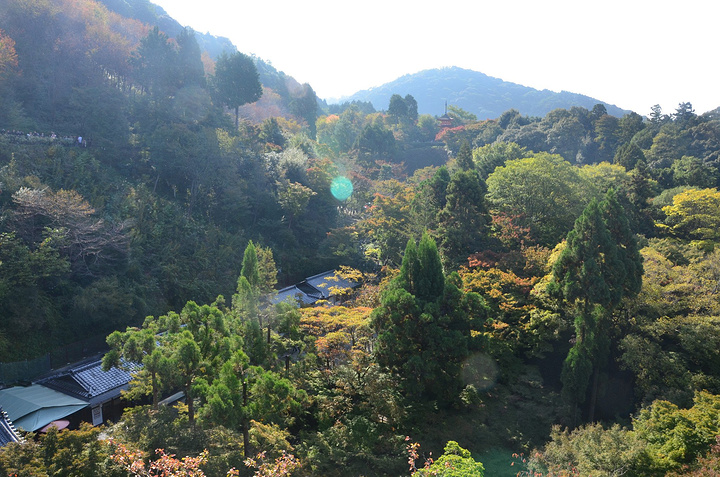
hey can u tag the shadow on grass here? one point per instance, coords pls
(498, 462)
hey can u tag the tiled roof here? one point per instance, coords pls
(296, 295)
(8, 433)
(313, 288)
(324, 281)
(88, 381)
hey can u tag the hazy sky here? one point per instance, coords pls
(631, 53)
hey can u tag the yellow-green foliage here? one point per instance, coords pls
(678, 436)
(695, 215)
(455, 462)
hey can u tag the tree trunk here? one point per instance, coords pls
(154, 391)
(593, 393)
(190, 405)
(245, 426)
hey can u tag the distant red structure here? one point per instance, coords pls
(445, 120)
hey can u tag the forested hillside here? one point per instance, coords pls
(153, 15)
(155, 202)
(536, 293)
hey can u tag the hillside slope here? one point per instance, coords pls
(154, 15)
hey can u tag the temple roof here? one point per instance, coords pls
(314, 288)
(88, 381)
(33, 407)
(8, 433)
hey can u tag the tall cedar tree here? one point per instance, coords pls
(247, 303)
(250, 269)
(465, 157)
(423, 325)
(463, 221)
(600, 265)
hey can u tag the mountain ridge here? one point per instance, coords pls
(154, 15)
(485, 96)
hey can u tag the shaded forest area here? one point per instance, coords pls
(545, 286)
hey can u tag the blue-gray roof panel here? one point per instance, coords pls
(33, 407)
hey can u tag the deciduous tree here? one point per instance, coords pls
(545, 190)
(454, 462)
(88, 242)
(236, 81)
(694, 215)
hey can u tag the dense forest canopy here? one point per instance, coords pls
(541, 285)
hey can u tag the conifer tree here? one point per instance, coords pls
(582, 274)
(465, 157)
(190, 67)
(586, 266)
(463, 221)
(599, 266)
(627, 247)
(437, 187)
(639, 192)
(429, 279)
(423, 325)
(246, 300)
(246, 303)
(250, 268)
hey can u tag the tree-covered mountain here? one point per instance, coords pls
(147, 194)
(482, 95)
(99, 112)
(283, 93)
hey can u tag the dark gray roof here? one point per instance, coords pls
(8, 433)
(89, 382)
(296, 295)
(312, 289)
(323, 282)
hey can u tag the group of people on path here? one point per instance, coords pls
(35, 136)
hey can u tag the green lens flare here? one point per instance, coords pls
(341, 188)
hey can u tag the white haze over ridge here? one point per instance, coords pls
(631, 53)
